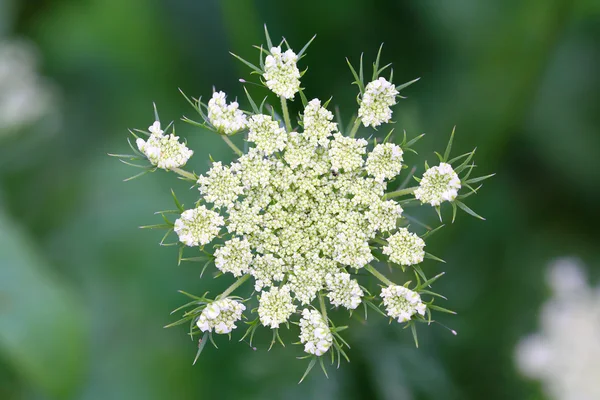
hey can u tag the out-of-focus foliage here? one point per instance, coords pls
(84, 293)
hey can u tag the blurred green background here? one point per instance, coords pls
(84, 294)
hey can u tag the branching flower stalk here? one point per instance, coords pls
(304, 209)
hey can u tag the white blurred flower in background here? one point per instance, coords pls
(25, 96)
(565, 353)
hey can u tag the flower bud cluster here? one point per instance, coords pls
(275, 306)
(375, 104)
(314, 333)
(317, 123)
(220, 315)
(281, 73)
(405, 248)
(226, 118)
(198, 226)
(439, 184)
(384, 162)
(164, 151)
(266, 133)
(235, 257)
(343, 291)
(402, 303)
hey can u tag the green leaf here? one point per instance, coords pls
(248, 63)
(466, 209)
(156, 226)
(310, 366)
(479, 179)
(407, 84)
(201, 344)
(376, 63)
(453, 211)
(432, 257)
(438, 210)
(441, 309)
(357, 80)
(449, 146)
(177, 203)
(301, 53)
(323, 367)
(435, 278)
(269, 43)
(432, 231)
(156, 118)
(252, 103)
(413, 328)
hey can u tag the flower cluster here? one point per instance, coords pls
(565, 354)
(226, 118)
(317, 123)
(384, 162)
(405, 248)
(439, 184)
(375, 104)
(402, 303)
(234, 257)
(221, 316)
(198, 226)
(266, 134)
(164, 151)
(305, 213)
(275, 306)
(314, 333)
(281, 73)
(343, 291)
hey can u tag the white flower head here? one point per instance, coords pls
(164, 152)
(439, 184)
(198, 226)
(281, 74)
(220, 315)
(402, 303)
(346, 153)
(375, 103)
(227, 118)
(275, 306)
(317, 123)
(315, 333)
(234, 257)
(343, 291)
(384, 161)
(220, 186)
(405, 248)
(266, 133)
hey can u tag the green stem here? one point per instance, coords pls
(323, 308)
(185, 174)
(354, 129)
(401, 192)
(378, 275)
(233, 286)
(286, 114)
(232, 146)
